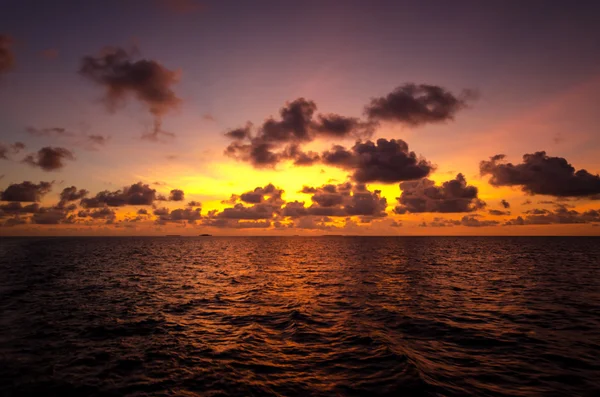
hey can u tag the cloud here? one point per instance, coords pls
(237, 224)
(240, 133)
(6, 151)
(187, 215)
(194, 204)
(452, 196)
(474, 221)
(267, 202)
(560, 215)
(541, 174)
(176, 195)
(49, 158)
(416, 105)
(384, 161)
(278, 140)
(341, 200)
(136, 194)
(7, 58)
(88, 142)
(49, 131)
(101, 213)
(467, 220)
(498, 212)
(15, 207)
(505, 203)
(92, 142)
(71, 193)
(25, 191)
(269, 194)
(146, 80)
(52, 216)
(15, 221)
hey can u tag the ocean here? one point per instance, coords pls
(300, 316)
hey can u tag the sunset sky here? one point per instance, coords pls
(150, 117)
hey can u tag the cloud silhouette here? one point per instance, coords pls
(49, 131)
(560, 215)
(136, 194)
(340, 200)
(71, 193)
(416, 105)
(49, 158)
(176, 195)
(25, 191)
(6, 151)
(505, 203)
(498, 212)
(187, 215)
(384, 161)
(424, 196)
(541, 174)
(278, 140)
(122, 77)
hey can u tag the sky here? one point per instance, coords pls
(151, 117)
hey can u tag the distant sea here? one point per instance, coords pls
(300, 316)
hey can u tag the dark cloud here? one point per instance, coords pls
(52, 216)
(101, 213)
(341, 200)
(237, 224)
(240, 133)
(424, 196)
(136, 194)
(142, 211)
(188, 215)
(541, 174)
(49, 131)
(441, 222)
(146, 80)
(269, 194)
(71, 193)
(498, 212)
(475, 221)
(15, 221)
(279, 140)
(300, 158)
(267, 202)
(93, 142)
(384, 161)
(15, 148)
(505, 203)
(240, 211)
(49, 158)
(560, 215)
(25, 191)
(7, 59)
(194, 204)
(416, 105)
(176, 195)
(15, 207)
(336, 126)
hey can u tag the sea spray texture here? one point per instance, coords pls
(513, 316)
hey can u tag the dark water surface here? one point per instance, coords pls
(300, 316)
